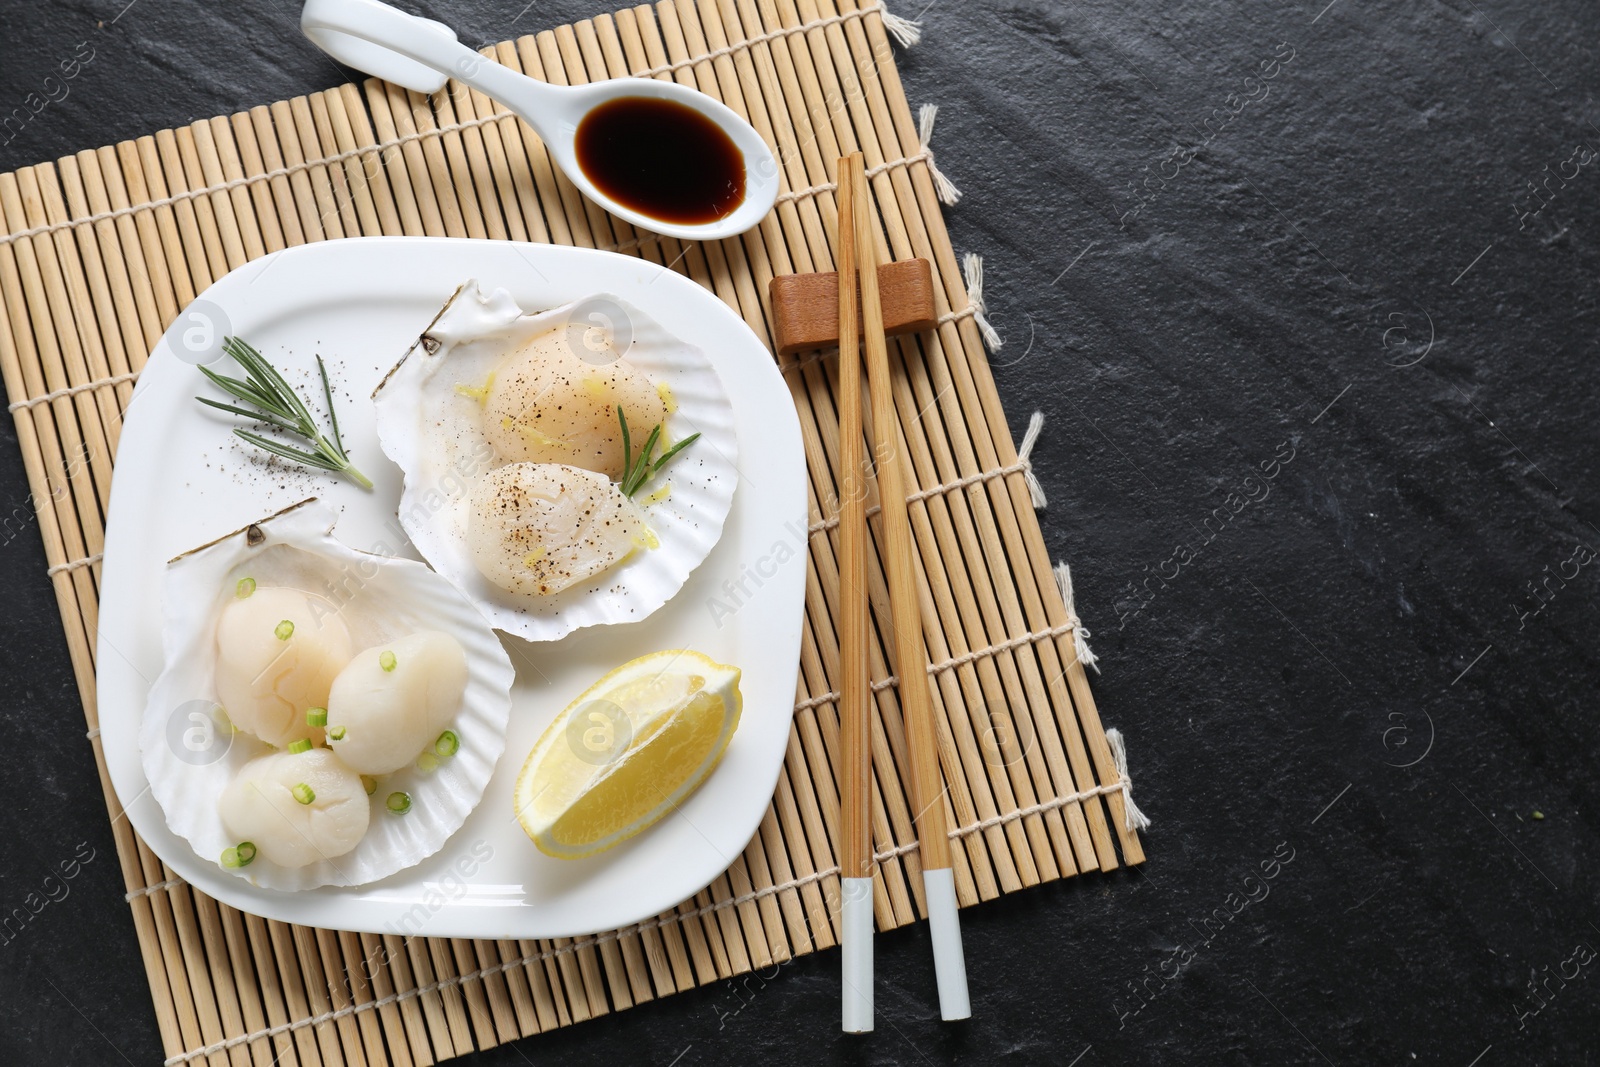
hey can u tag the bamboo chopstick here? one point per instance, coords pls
(855, 696)
(927, 790)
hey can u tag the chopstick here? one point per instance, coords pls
(927, 791)
(855, 694)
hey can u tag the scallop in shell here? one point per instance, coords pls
(193, 753)
(489, 386)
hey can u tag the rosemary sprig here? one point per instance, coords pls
(636, 472)
(277, 404)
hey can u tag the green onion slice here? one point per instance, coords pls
(239, 855)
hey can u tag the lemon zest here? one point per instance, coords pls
(480, 393)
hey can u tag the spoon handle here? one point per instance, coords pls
(420, 54)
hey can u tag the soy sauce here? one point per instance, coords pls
(662, 159)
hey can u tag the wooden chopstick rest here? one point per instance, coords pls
(805, 307)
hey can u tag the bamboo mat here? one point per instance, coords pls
(100, 251)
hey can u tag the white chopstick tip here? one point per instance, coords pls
(944, 929)
(855, 941)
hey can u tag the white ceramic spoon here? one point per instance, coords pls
(422, 55)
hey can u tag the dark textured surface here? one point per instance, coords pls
(1352, 269)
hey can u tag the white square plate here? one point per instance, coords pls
(182, 480)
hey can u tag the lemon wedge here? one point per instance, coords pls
(627, 752)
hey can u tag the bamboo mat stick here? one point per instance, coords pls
(220, 1012)
(162, 169)
(576, 53)
(297, 137)
(320, 1043)
(682, 38)
(831, 88)
(527, 1017)
(131, 290)
(251, 992)
(213, 141)
(141, 235)
(1002, 586)
(258, 153)
(316, 134)
(768, 241)
(927, 783)
(672, 936)
(77, 344)
(612, 63)
(369, 182)
(855, 730)
(479, 1013)
(314, 988)
(981, 411)
(703, 34)
(891, 196)
(470, 164)
(546, 999)
(371, 198)
(514, 55)
(182, 164)
(197, 156)
(803, 238)
(102, 268)
(357, 193)
(944, 682)
(471, 104)
(443, 1022)
(59, 520)
(262, 227)
(395, 976)
(349, 990)
(234, 1000)
(818, 388)
(83, 456)
(401, 164)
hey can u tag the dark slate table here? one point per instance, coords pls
(1321, 451)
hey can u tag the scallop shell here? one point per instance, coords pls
(434, 433)
(189, 755)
